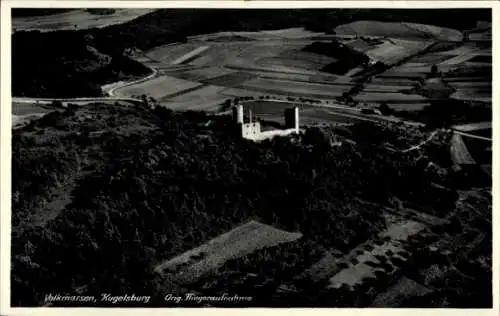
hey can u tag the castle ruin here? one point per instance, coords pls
(252, 130)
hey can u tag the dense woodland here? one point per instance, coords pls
(18, 12)
(146, 186)
(76, 63)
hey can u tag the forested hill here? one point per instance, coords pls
(100, 194)
(76, 63)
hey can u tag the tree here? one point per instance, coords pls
(145, 101)
(434, 70)
(384, 108)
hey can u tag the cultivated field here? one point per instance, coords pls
(398, 30)
(28, 108)
(204, 97)
(77, 19)
(403, 289)
(158, 88)
(471, 127)
(388, 97)
(245, 239)
(362, 262)
(19, 121)
(210, 68)
(294, 88)
(395, 50)
(245, 63)
(169, 53)
(459, 152)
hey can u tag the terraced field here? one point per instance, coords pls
(366, 260)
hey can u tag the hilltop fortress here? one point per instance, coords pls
(252, 130)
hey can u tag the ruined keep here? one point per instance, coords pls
(252, 130)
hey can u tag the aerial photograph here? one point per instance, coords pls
(251, 157)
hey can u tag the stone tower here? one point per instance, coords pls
(238, 114)
(292, 119)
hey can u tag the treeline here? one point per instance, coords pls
(50, 64)
(22, 12)
(65, 64)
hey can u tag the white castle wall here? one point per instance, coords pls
(270, 134)
(252, 130)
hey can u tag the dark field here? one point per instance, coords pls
(309, 114)
(481, 59)
(481, 150)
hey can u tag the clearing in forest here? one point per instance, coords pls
(243, 240)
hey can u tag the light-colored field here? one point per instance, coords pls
(21, 109)
(388, 97)
(191, 54)
(297, 59)
(168, 53)
(230, 80)
(356, 272)
(461, 50)
(403, 289)
(235, 92)
(206, 97)
(436, 32)
(316, 78)
(473, 126)
(398, 30)
(380, 87)
(243, 240)
(459, 152)
(458, 59)
(221, 54)
(291, 33)
(431, 58)
(472, 95)
(77, 19)
(394, 50)
(158, 87)
(19, 121)
(295, 88)
(486, 85)
(360, 45)
(408, 106)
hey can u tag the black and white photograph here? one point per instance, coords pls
(251, 157)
